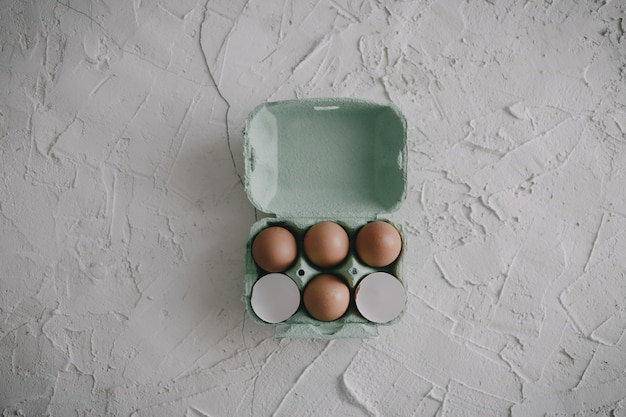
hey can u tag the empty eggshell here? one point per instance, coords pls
(380, 297)
(275, 297)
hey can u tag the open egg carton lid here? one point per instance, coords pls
(325, 157)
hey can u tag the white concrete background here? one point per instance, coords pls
(123, 218)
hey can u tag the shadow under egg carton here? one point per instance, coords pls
(352, 270)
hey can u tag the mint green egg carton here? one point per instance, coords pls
(327, 159)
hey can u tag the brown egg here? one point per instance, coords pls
(378, 244)
(326, 297)
(326, 244)
(274, 249)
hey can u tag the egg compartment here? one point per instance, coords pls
(302, 271)
(324, 159)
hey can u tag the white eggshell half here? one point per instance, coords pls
(380, 297)
(275, 298)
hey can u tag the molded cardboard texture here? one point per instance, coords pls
(327, 159)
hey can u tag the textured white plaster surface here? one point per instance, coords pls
(123, 218)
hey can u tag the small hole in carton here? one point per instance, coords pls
(318, 108)
(353, 271)
(301, 272)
